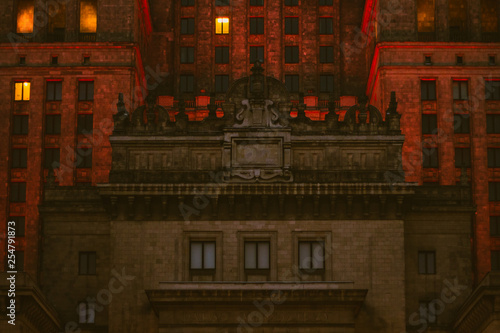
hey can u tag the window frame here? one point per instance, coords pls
(20, 122)
(463, 155)
(427, 306)
(428, 91)
(86, 159)
(86, 96)
(461, 123)
(83, 121)
(330, 81)
(326, 54)
(19, 158)
(19, 221)
(492, 94)
(256, 26)
(187, 26)
(492, 123)
(495, 221)
(328, 27)
(88, 255)
(54, 120)
(17, 192)
(311, 251)
(25, 91)
(257, 269)
(256, 49)
(186, 57)
(495, 260)
(224, 27)
(203, 269)
(295, 82)
(493, 191)
(56, 88)
(221, 87)
(427, 270)
(428, 120)
(292, 54)
(190, 84)
(460, 91)
(222, 55)
(50, 157)
(292, 24)
(430, 160)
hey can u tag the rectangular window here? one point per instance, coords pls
(311, 255)
(222, 2)
(429, 123)
(25, 16)
(257, 255)
(489, 20)
(427, 311)
(493, 157)
(256, 53)
(87, 263)
(460, 90)
(52, 157)
(186, 83)
(426, 262)
(494, 191)
(20, 125)
(86, 312)
(326, 2)
(492, 92)
(426, 16)
(256, 25)
(325, 25)
(221, 83)
(291, 25)
(495, 226)
(461, 123)
(222, 55)
(326, 54)
(54, 91)
(187, 55)
(292, 83)
(85, 123)
(462, 158)
(430, 157)
(291, 54)
(19, 158)
(22, 91)
(88, 16)
(326, 83)
(291, 2)
(493, 123)
(20, 225)
(495, 260)
(457, 20)
(53, 124)
(84, 158)
(428, 90)
(17, 192)
(222, 25)
(86, 90)
(187, 3)
(187, 26)
(256, 2)
(202, 255)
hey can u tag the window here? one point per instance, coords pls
(426, 16)
(494, 191)
(460, 90)
(428, 311)
(222, 55)
(461, 123)
(311, 255)
(22, 91)
(84, 158)
(85, 123)
(186, 83)
(88, 16)
(429, 123)
(291, 2)
(428, 90)
(493, 123)
(187, 55)
(86, 90)
(55, 60)
(256, 25)
(460, 60)
(292, 83)
(291, 25)
(52, 158)
(256, 53)
(222, 25)
(492, 60)
(17, 192)
(54, 91)
(495, 260)
(457, 20)
(427, 60)
(492, 92)
(426, 262)
(25, 15)
(489, 20)
(22, 60)
(291, 54)
(326, 54)
(86, 60)
(326, 83)
(186, 3)
(257, 255)
(256, 2)
(222, 2)
(202, 255)
(462, 158)
(86, 312)
(326, 2)
(187, 26)
(19, 158)
(20, 225)
(53, 124)
(221, 83)
(495, 226)
(430, 157)
(493, 157)
(87, 263)
(325, 25)
(20, 125)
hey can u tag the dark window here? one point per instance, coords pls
(187, 55)
(20, 225)
(291, 25)
(492, 60)
(17, 192)
(86, 90)
(19, 266)
(428, 60)
(52, 157)
(222, 55)
(429, 123)
(495, 226)
(495, 260)
(460, 60)
(187, 26)
(22, 60)
(84, 158)
(85, 124)
(256, 53)
(292, 82)
(53, 124)
(221, 83)
(427, 311)
(461, 123)
(291, 2)
(493, 123)
(202, 255)
(256, 25)
(492, 92)
(494, 191)
(426, 262)
(326, 54)
(430, 157)
(54, 91)
(256, 2)
(493, 157)
(428, 90)
(222, 2)
(86, 60)
(326, 2)
(312, 255)
(19, 158)
(325, 25)
(20, 125)
(462, 158)
(187, 3)
(257, 255)
(460, 90)
(55, 60)
(186, 83)
(291, 54)
(87, 263)
(326, 83)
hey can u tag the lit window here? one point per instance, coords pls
(492, 90)
(311, 255)
(222, 25)
(19, 158)
(87, 263)
(428, 90)
(460, 90)
(88, 16)
(86, 313)
(202, 255)
(430, 157)
(256, 255)
(22, 91)
(25, 15)
(428, 312)
(53, 124)
(462, 158)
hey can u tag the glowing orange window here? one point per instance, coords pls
(22, 91)
(25, 14)
(222, 25)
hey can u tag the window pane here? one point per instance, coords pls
(318, 256)
(209, 256)
(431, 263)
(250, 253)
(196, 251)
(25, 16)
(305, 255)
(83, 263)
(463, 90)
(263, 255)
(20, 261)
(91, 263)
(88, 16)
